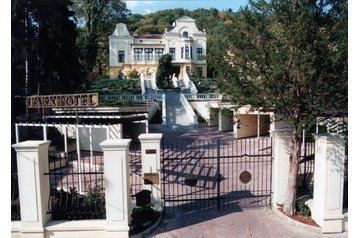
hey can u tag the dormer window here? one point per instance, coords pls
(185, 34)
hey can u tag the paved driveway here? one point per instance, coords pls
(260, 223)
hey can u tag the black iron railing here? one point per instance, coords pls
(77, 186)
(306, 167)
(15, 200)
(135, 169)
(217, 174)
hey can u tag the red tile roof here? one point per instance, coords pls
(150, 36)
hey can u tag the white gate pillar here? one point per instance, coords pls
(281, 162)
(150, 144)
(116, 177)
(327, 208)
(34, 186)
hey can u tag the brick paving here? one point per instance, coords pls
(234, 222)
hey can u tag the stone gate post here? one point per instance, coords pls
(281, 162)
(151, 171)
(327, 209)
(116, 176)
(34, 186)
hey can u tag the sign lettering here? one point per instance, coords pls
(63, 100)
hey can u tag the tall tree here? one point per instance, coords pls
(44, 59)
(96, 21)
(58, 64)
(165, 71)
(289, 57)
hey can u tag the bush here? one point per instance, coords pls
(122, 86)
(302, 209)
(114, 103)
(205, 85)
(134, 74)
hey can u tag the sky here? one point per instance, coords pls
(146, 7)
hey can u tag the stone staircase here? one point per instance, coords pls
(179, 114)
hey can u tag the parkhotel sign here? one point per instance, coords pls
(62, 100)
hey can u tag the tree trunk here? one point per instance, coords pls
(289, 207)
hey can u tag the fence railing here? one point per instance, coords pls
(15, 201)
(203, 96)
(132, 97)
(135, 169)
(306, 167)
(77, 186)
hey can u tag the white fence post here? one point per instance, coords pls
(164, 110)
(282, 143)
(34, 186)
(327, 208)
(151, 147)
(116, 176)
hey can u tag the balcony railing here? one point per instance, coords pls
(203, 96)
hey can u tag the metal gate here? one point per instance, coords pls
(215, 174)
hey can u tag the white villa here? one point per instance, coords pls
(185, 43)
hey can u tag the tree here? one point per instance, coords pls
(165, 71)
(57, 62)
(96, 21)
(44, 57)
(289, 57)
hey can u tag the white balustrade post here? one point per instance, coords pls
(281, 165)
(164, 110)
(151, 146)
(327, 207)
(34, 186)
(116, 176)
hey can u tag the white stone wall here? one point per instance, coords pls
(203, 107)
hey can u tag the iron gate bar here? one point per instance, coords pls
(255, 156)
(218, 175)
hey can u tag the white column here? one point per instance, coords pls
(150, 144)
(78, 148)
(164, 111)
(65, 139)
(44, 132)
(328, 182)
(34, 187)
(258, 124)
(116, 176)
(17, 136)
(236, 125)
(147, 124)
(91, 146)
(120, 127)
(282, 143)
(220, 120)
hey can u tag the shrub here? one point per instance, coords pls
(122, 86)
(134, 74)
(302, 209)
(205, 85)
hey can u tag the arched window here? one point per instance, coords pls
(185, 34)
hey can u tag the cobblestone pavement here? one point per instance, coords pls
(260, 223)
(256, 223)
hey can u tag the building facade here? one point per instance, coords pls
(185, 43)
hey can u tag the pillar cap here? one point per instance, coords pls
(30, 145)
(329, 137)
(115, 144)
(283, 132)
(150, 137)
